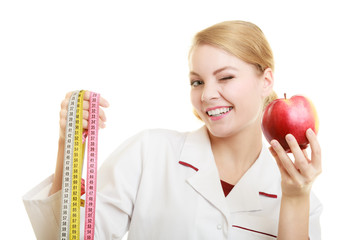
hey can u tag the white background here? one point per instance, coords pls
(135, 54)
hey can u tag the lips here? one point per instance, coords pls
(217, 113)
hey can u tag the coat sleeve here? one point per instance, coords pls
(314, 221)
(43, 211)
(118, 181)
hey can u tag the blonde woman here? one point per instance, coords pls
(218, 182)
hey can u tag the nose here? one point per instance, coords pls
(210, 92)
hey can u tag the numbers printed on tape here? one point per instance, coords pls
(67, 167)
(72, 168)
(76, 171)
(90, 202)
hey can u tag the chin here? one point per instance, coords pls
(229, 129)
(220, 132)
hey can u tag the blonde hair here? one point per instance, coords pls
(242, 39)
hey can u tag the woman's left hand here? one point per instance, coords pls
(297, 177)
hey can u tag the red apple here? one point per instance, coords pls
(294, 115)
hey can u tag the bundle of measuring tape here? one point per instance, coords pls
(72, 183)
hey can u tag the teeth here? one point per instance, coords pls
(217, 112)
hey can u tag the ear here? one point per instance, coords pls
(267, 82)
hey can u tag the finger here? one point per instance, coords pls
(102, 124)
(272, 151)
(300, 161)
(86, 124)
(62, 124)
(283, 171)
(63, 113)
(68, 95)
(87, 95)
(286, 161)
(64, 103)
(102, 101)
(86, 104)
(315, 149)
(306, 155)
(102, 115)
(86, 114)
(101, 121)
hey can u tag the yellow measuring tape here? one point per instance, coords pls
(67, 168)
(79, 148)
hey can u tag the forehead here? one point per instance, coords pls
(210, 58)
(206, 50)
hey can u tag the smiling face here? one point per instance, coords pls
(226, 92)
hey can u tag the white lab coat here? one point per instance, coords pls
(162, 184)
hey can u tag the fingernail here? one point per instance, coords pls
(310, 131)
(289, 137)
(274, 143)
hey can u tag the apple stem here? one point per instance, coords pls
(285, 95)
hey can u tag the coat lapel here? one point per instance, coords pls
(244, 196)
(197, 153)
(261, 180)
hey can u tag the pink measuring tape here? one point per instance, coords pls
(90, 202)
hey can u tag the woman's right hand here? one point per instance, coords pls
(64, 108)
(57, 181)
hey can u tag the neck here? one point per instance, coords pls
(235, 154)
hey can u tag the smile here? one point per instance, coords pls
(218, 111)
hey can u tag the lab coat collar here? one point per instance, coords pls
(250, 186)
(197, 154)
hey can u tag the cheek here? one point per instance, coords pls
(235, 93)
(246, 96)
(195, 99)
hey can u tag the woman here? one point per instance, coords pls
(219, 182)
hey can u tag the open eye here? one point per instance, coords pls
(196, 83)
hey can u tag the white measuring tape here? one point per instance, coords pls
(72, 169)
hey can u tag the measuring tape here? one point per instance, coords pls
(90, 202)
(72, 169)
(67, 167)
(76, 171)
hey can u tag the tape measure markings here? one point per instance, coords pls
(76, 172)
(72, 183)
(67, 166)
(90, 202)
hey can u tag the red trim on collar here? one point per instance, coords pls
(251, 230)
(196, 169)
(188, 165)
(268, 195)
(227, 187)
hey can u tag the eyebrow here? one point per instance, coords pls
(216, 71)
